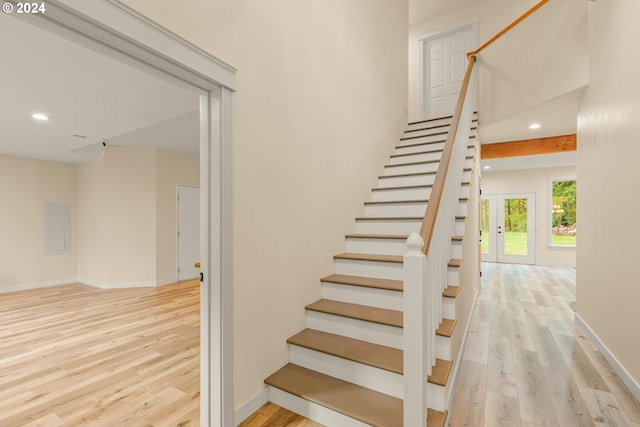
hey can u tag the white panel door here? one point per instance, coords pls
(188, 231)
(445, 60)
(508, 228)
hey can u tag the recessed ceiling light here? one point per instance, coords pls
(534, 125)
(40, 116)
(487, 167)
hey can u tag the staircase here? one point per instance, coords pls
(346, 368)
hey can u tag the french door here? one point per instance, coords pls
(508, 228)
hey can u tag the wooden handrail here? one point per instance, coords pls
(429, 222)
(507, 28)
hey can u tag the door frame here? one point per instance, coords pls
(497, 249)
(111, 28)
(426, 38)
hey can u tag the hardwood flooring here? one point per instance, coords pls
(75, 355)
(527, 364)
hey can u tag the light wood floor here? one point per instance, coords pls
(527, 364)
(75, 355)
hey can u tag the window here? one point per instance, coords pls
(562, 195)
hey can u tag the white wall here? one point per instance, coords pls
(537, 181)
(608, 173)
(321, 100)
(25, 186)
(543, 58)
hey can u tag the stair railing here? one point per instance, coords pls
(425, 264)
(429, 251)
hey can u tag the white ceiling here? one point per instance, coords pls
(84, 93)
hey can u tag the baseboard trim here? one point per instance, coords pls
(35, 285)
(624, 375)
(125, 285)
(245, 410)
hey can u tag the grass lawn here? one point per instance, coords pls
(563, 240)
(515, 242)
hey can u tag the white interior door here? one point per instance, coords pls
(508, 228)
(188, 231)
(445, 62)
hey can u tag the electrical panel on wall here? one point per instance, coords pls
(57, 228)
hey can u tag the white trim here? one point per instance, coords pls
(624, 375)
(245, 410)
(128, 284)
(35, 285)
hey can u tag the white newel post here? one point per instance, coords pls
(416, 329)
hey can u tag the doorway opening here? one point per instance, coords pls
(111, 28)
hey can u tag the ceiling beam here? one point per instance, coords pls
(529, 147)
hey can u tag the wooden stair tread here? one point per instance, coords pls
(369, 406)
(436, 150)
(379, 356)
(406, 174)
(371, 257)
(412, 163)
(446, 328)
(436, 418)
(451, 291)
(440, 372)
(357, 311)
(406, 138)
(433, 119)
(395, 202)
(369, 282)
(427, 128)
(457, 238)
(402, 187)
(378, 236)
(455, 262)
(390, 218)
(417, 144)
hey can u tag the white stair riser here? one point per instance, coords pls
(376, 333)
(422, 139)
(417, 154)
(465, 191)
(463, 208)
(436, 397)
(381, 270)
(426, 129)
(443, 347)
(460, 227)
(415, 168)
(387, 226)
(395, 210)
(312, 411)
(448, 308)
(376, 246)
(456, 249)
(381, 298)
(453, 276)
(403, 180)
(357, 373)
(418, 147)
(416, 157)
(430, 123)
(416, 193)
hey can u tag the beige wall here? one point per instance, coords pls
(536, 181)
(117, 218)
(25, 186)
(321, 99)
(508, 86)
(171, 169)
(608, 152)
